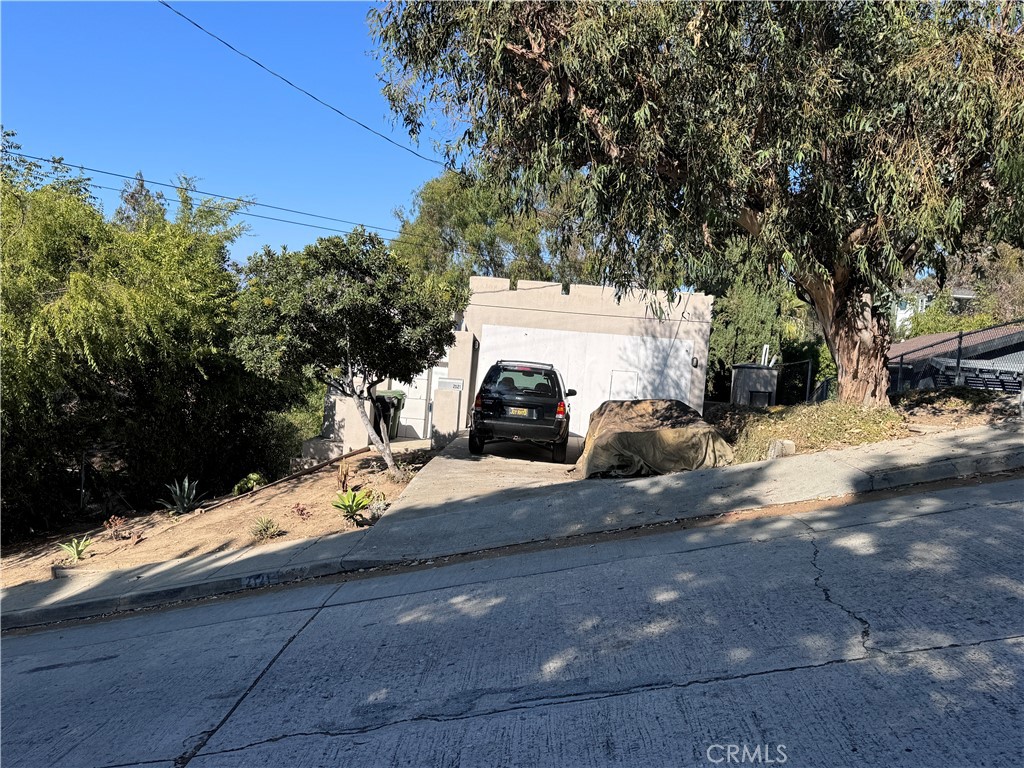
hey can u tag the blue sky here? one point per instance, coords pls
(132, 87)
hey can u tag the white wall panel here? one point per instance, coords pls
(596, 365)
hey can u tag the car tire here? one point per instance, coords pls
(558, 452)
(476, 445)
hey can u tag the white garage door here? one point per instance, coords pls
(599, 366)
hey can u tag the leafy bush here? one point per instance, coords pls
(76, 548)
(115, 335)
(301, 512)
(183, 497)
(264, 529)
(376, 512)
(250, 482)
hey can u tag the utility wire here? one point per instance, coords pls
(389, 240)
(207, 194)
(243, 201)
(246, 213)
(300, 89)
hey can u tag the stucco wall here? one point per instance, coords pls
(661, 350)
(602, 347)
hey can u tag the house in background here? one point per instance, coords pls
(912, 303)
(992, 358)
(605, 349)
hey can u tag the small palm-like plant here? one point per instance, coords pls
(76, 548)
(351, 503)
(183, 497)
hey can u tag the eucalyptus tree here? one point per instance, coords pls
(461, 222)
(852, 142)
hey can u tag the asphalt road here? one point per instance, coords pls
(883, 634)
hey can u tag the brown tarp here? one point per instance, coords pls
(628, 438)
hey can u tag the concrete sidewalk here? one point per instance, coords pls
(459, 504)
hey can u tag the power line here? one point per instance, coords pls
(207, 194)
(252, 215)
(389, 240)
(300, 89)
(243, 201)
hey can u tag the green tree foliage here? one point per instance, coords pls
(458, 222)
(461, 223)
(115, 360)
(994, 273)
(753, 309)
(854, 142)
(1001, 283)
(347, 310)
(941, 316)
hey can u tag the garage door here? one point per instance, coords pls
(599, 366)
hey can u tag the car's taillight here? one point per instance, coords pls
(478, 404)
(560, 410)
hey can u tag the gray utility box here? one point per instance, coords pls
(754, 384)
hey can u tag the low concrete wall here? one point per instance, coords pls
(446, 420)
(342, 430)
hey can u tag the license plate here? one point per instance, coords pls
(518, 411)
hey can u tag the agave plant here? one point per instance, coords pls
(351, 503)
(76, 548)
(183, 497)
(264, 529)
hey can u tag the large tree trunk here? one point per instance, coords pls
(858, 336)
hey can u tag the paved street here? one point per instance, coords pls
(883, 634)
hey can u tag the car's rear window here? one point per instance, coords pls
(521, 379)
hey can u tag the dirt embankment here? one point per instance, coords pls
(301, 507)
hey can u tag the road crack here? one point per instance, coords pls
(203, 738)
(826, 591)
(527, 705)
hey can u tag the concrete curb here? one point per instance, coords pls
(861, 479)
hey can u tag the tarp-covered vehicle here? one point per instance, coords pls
(630, 438)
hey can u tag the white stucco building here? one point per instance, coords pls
(604, 349)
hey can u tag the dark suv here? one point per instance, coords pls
(522, 401)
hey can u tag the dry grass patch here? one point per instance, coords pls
(958, 406)
(824, 426)
(816, 427)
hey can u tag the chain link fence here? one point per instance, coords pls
(991, 358)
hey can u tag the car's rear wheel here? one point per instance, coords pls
(476, 445)
(558, 452)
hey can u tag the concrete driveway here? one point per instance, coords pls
(513, 494)
(457, 475)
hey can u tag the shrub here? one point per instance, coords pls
(264, 529)
(300, 511)
(375, 512)
(250, 482)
